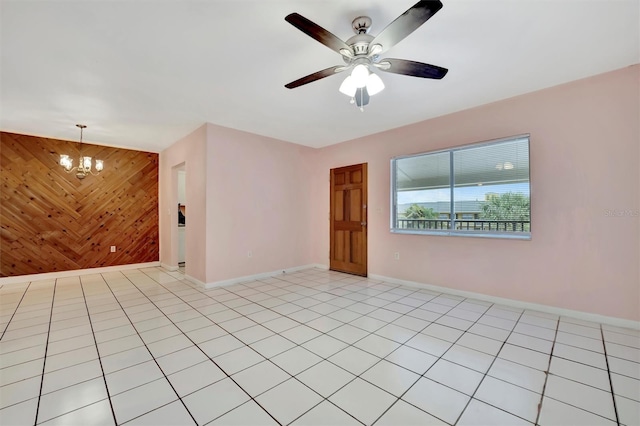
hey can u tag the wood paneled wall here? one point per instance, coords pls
(52, 221)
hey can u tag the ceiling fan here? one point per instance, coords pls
(361, 53)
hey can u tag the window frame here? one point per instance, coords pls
(452, 219)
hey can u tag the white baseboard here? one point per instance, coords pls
(195, 281)
(169, 268)
(21, 279)
(320, 266)
(254, 277)
(586, 316)
(603, 319)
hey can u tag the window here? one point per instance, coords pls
(476, 190)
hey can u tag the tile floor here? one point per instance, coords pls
(144, 347)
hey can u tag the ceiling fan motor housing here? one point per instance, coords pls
(361, 24)
(360, 43)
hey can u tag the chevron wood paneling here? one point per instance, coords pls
(52, 221)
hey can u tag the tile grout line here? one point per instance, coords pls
(248, 345)
(152, 356)
(438, 358)
(15, 310)
(46, 349)
(392, 287)
(487, 374)
(565, 378)
(415, 333)
(232, 334)
(71, 366)
(606, 359)
(288, 289)
(547, 372)
(25, 328)
(585, 349)
(321, 333)
(292, 376)
(358, 376)
(369, 333)
(327, 291)
(196, 345)
(95, 342)
(279, 333)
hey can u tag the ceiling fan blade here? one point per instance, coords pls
(315, 31)
(412, 68)
(315, 76)
(407, 23)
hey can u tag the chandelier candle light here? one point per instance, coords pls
(85, 166)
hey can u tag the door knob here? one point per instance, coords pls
(363, 223)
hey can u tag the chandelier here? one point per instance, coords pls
(85, 165)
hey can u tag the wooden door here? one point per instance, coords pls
(348, 217)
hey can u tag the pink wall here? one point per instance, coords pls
(258, 200)
(244, 193)
(584, 161)
(190, 151)
(248, 192)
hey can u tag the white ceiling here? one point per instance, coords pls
(143, 74)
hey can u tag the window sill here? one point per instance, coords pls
(473, 234)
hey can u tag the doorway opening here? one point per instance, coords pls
(181, 222)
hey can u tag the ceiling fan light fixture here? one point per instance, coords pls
(348, 87)
(360, 75)
(374, 84)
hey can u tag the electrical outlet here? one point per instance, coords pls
(249, 253)
(396, 255)
(113, 249)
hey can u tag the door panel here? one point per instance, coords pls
(355, 205)
(348, 220)
(338, 209)
(339, 246)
